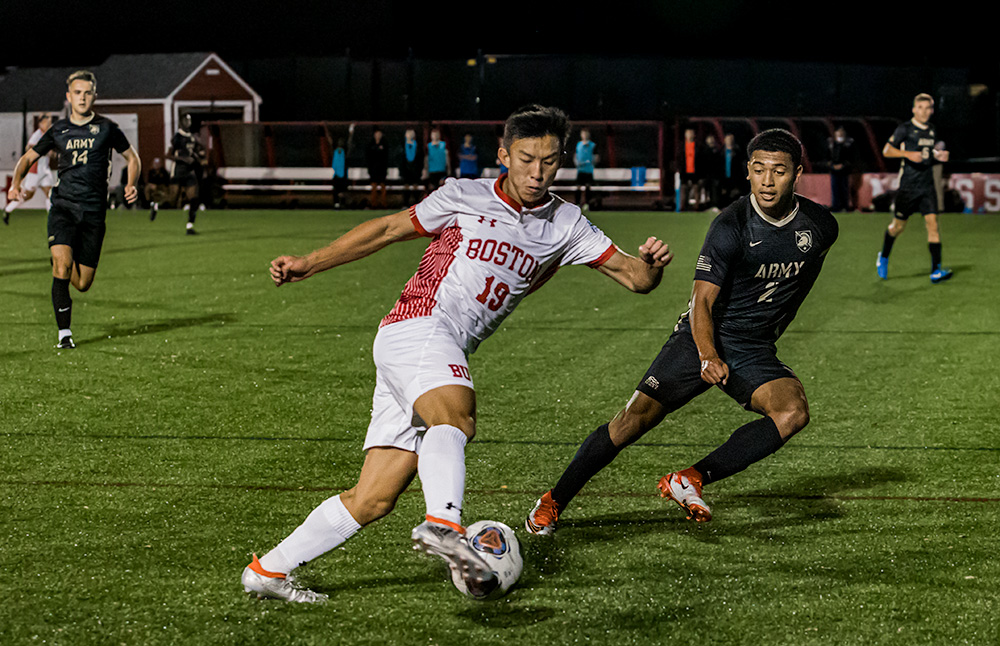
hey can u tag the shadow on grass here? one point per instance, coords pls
(804, 502)
(506, 615)
(116, 331)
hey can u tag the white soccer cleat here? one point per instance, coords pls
(444, 541)
(542, 519)
(274, 585)
(686, 492)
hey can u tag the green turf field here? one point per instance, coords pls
(205, 413)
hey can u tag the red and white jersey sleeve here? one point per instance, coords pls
(42, 165)
(487, 253)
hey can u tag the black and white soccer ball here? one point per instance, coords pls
(499, 547)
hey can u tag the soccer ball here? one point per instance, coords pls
(499, 547)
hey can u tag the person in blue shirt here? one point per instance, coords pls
(338, 163)
(585, 158)
(468, 159)
(437, 162)
(500, 166)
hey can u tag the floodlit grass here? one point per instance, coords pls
(205, 413)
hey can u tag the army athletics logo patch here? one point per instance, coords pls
(804, 240)
(95, 129)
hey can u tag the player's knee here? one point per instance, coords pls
(367, 507)
(631, 424)
(791, 420)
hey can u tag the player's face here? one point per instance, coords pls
(532, 164)
(772, 180)
(81, 97)
(922, 111)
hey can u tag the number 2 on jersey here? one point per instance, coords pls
(500, 293)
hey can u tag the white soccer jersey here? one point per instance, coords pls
(488, 252)
(42, 165)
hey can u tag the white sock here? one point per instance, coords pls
(190, 225)
(63, 333)
(325, 528)
(441, 465)
(13, 204)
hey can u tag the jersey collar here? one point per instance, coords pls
(512, 203)
(767, 218)
(922, 126)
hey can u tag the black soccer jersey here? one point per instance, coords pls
(185, 144)
(914, 177)
(764, 271)
(84, 160)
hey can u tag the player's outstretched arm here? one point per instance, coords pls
(23, 164)
(713, 369)
(363, 240)
(641, 274)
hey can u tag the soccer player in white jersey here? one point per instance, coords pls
(492, 243)
(39, 175)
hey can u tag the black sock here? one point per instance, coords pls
(748, 444)
(61, 302)
(935, 248)
(596, 452)
(887, 244)
(192, 210)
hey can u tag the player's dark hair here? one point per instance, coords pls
(536, 121)
(777, 140)
(82, 75)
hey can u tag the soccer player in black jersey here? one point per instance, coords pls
(917, 144)
(188, 154)
(760, 258)
(76, 223)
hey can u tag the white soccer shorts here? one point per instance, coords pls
(412, 357)
(34, 180)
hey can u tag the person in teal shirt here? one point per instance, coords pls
(437, 161)
(585, 159)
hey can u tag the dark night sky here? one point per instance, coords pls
(852, 31)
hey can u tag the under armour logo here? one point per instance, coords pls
(482, 218)
(452, 505)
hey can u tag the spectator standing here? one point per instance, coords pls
(691, 176)
(733, 183)
(436, 161)
(412, 168)
(468, 159)
(842, 166)
(585, 158)
(339, 165)
(377, 158)
(711, 163)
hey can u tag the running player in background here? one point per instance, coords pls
(188, 155)
(76, 223)
(760, 258)
(39, 175)
(492, 243)
(915, 142)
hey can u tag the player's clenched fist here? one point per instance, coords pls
(289, 269)
(714, 371)
(655, 252)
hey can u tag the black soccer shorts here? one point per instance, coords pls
(674, 377)
(82, 230)
(907, 203)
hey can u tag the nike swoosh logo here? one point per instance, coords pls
(63, 309)
(754, 244)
